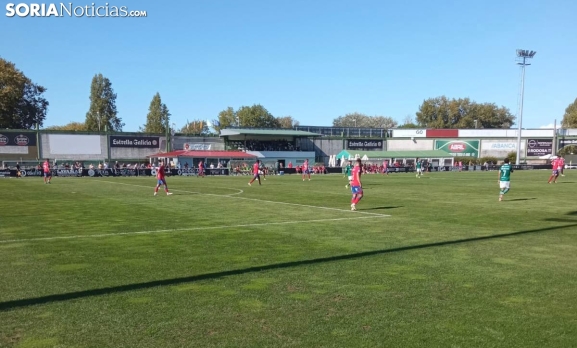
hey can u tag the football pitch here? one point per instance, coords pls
(430, 262)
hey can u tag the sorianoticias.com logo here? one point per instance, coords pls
(69, 10)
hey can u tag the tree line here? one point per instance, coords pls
(23, 106)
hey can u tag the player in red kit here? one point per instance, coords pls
(306, 170)
(356, 186)
(555, 172)
(201, 169)
(386, 167)
(161, 180)
(47, 173)
(256, 175)
(561, 165)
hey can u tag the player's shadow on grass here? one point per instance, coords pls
(14, 304)
(383, 208)
(520, 199)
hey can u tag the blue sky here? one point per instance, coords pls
(313, 60)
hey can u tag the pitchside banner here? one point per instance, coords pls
(459, 148)
(95, 173)
(567, 142)
(18, 139)
(539, 147)
(134, 141)
(363, 144)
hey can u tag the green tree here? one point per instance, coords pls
(72, 126)
(357, 119)
(158, 116)
(441, 112)
(226, 118)
(568, 150)
(408, 122)
(102, 113)
(570, 117)
(256, 116)
(196, 127)
(22, 105)
(287, 122)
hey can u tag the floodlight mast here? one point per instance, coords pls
(522, 57)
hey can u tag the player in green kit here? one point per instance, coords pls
(348, 173)
(505, 178)
(419, 168)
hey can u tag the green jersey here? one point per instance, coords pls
(505, 172)
(348, 169)
(419, 165)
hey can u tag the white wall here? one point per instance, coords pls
(505, 133)
(500, 148)
(409, 133)
(568, 132)
(73, 147)
(408, 145)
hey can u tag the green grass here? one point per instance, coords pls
(430, 262)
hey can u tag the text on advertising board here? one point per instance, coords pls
(135, 141)
(353, 144)
(539, 147)
(18, 139)
(468, 148)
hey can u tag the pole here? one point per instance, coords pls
(521, 112)
(554, 145)
(167, 137)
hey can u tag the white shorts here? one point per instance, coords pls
(504, 185)
(419, 170)
(350, 177)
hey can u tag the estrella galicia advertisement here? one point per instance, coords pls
(18, 139)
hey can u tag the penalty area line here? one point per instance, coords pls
(262, 200)
(191, 192)
(204, 228)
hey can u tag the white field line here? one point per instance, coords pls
(101, 235)
(261, 200)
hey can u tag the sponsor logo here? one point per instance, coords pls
(21, 140)
(532, 143)
(186, 172)
(457, 147)
(188, 146)
(31, 172)
(138, 142)
(365, 144)
(4, 173)
(91, 172)
(506, 146)
(3, 140)
(68, 172)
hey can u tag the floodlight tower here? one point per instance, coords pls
(522, 57)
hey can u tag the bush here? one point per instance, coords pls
(489, 159)
(512, 156)
(568, 150)
(466, 160)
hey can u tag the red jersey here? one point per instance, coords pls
(555, 164)
(385, 164)
(356, 173)
(306, 166)
(160, 172)
(561, 163)
(200, 165)
(255, 168)
(46, 167)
